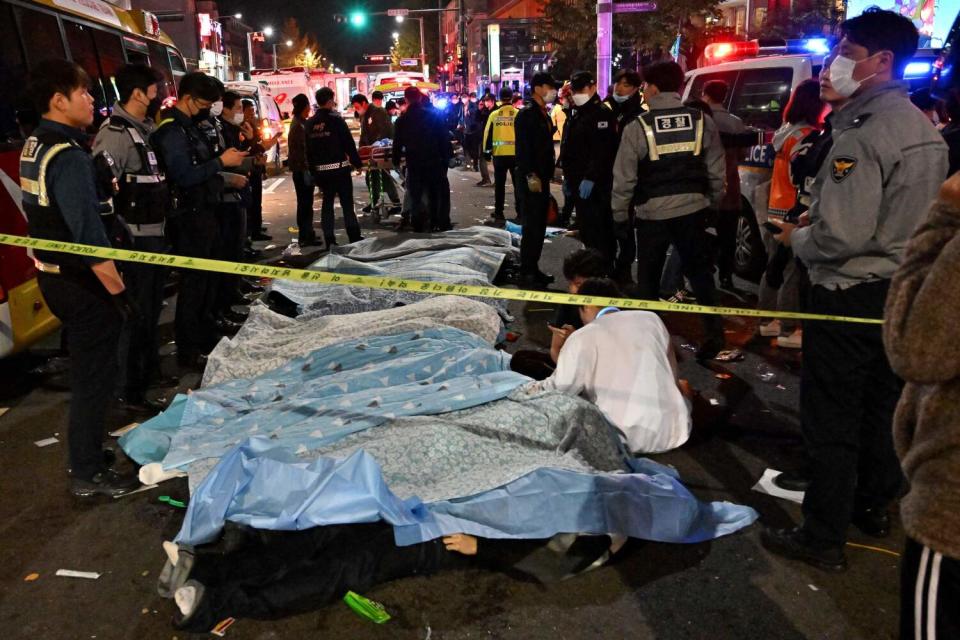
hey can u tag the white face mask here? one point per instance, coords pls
(551, 96)
(841, 75)
(620, 99)
(216, 108)
(237, 118)
(581, 99)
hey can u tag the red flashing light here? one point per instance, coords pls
(721, 51)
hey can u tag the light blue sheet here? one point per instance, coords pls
(334, 391)
(262, 486)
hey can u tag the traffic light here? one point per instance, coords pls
(462, 68)
(358, 19)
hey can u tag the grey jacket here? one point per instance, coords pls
(885, 167)
(120, 146)
(633, 149)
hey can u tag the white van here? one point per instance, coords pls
(268, 114)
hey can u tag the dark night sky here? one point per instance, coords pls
(344, 44)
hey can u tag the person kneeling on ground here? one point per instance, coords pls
(623, 362)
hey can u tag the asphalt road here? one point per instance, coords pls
(745, 421)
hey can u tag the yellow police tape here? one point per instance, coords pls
(398, 284)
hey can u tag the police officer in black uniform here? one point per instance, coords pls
(586, 155)
(86, 293)
(141, 206)
(331, 152)
(670, 162)
(193, 176)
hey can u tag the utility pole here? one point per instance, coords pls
(462, 41)
(604, 42)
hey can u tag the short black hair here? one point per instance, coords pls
(506, 93)
(716, 90)
(629, 76)
(488, 97)
(581, 80)
(135, 76)
(199, 85)
(376, 95)
(666, 75)
(600, 287)
(230, 99)
(700, 105)
(880, 30)
(323, 95)
(586, 263)
(300, 102)
(391, 104)
(359, 98)
(247, 102)
(51, 77)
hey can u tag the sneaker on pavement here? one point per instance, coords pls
(105, 483)
(792, 341)
(770, 329)
(796, 544)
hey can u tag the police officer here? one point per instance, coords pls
(626, 102)
(886, 159)
(87, 294)
(586, 156)
(535, 165)
(193, 175)
(331, 152)
(499, 141)
(141, 207)
(671, 162)
(375, 125)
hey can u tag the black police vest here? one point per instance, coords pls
(143, 197)
(195, 198)
(674, 164)
(44, 216)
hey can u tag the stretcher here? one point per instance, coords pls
(380, 158)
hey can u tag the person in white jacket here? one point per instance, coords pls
(623, 362)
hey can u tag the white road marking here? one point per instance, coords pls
(273, 185)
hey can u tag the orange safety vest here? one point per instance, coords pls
(783, 193)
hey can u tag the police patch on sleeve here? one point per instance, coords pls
(843, 166)
(603, 124)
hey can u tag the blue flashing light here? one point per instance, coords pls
(441, 103)
(817, 45)
(917, 69)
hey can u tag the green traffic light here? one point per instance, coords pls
(358, 18)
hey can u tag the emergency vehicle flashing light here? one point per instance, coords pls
(917, 69)
(717, 52)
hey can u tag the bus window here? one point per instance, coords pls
(761, 95)
(179, 67)
(12, 70)
(84, 53)
(160, 61)
(110, 53)
(42, 39)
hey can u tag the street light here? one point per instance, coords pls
(289, 43)
(238, 16)
(267, 31)
(396, 36)
(399, 18)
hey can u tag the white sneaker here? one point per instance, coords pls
(770, 329)
(792, 341)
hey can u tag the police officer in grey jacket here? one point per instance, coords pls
(884, 169)
(671, 161)
(141, 205)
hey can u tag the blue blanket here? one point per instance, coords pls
(334, 391)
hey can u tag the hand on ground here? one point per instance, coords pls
(461, 543)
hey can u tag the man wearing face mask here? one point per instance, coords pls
(670, 163)
(626, 102)
(141, 205)
(586, 155)
(193, 175)
(886, 163)
(535, 164)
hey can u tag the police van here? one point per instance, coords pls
(762, 76)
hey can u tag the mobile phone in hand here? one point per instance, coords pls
(772, 228)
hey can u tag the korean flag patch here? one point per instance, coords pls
(843, 166)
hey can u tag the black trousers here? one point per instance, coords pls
(626, 254)
(232, 224)
(533, 364)
(848, 394)
(304, 206)
(503, 165)
(255, 209)
(426, 186)
(442, 222)
(595, 221)
(337, 184)
(534, 224)
(689, 236)
(929, 593)
(194, 235)
(139, 341)
(726, 241)
(92, 324)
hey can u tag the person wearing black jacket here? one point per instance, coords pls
(535, 164)
(331, 152)
(487, 104)
(422, 140)
(586, 155)
(626, 103)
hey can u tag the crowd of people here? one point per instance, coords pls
(647, 176)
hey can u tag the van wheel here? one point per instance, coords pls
(750, 257)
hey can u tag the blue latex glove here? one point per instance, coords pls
(586, 188)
